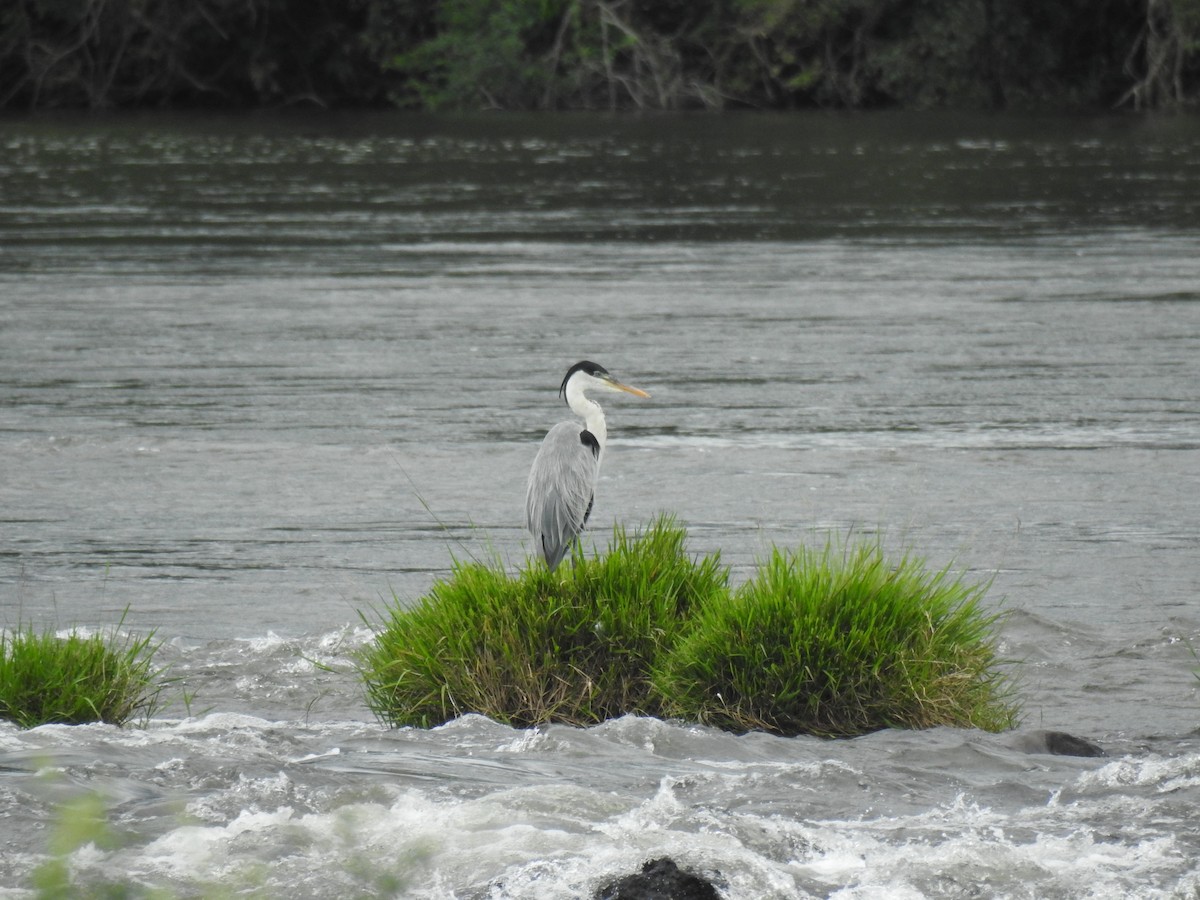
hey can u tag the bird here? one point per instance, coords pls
(562, 480)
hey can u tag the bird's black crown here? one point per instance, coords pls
(586, 366)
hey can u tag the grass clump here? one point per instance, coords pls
(576, 645)
(75, 679)
(836, 642)
(840, 642)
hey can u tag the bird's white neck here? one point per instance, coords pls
(589, 410)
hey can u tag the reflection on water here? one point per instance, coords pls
(259, 374)
(341, 194)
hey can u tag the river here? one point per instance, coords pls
(264, 375)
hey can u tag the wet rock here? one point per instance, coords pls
(1058, 743)
(660, 879)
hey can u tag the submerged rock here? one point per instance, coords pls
(660, 879)
(1058, 743)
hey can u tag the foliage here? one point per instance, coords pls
(498, 65)
(113, 53)
(553, 54)
(75, 679)
(816, 643)
(575, 645)
(840, 642)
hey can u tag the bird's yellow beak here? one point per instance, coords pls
(637, 392)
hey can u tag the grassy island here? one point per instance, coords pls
(577, 645)
(836, 642)
(76, 679)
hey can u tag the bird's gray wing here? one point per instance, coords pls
(561, 485)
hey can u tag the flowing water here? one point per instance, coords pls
(261, 375)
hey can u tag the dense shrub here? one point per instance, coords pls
(551, 54)
(209, 53)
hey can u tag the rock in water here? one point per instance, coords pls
(1062, 744)
(660, 879)
(1059, 743)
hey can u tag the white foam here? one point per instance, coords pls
(1164, 774)
(559, 841)
(203, 850)
(479, 809)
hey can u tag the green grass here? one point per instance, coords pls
(575, 645)
(841, 642)
(836, 642)
(75, 679)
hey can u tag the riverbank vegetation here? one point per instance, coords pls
(76, 679)
(835, 643)
(600, 54)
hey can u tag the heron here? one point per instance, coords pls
(562, 480)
